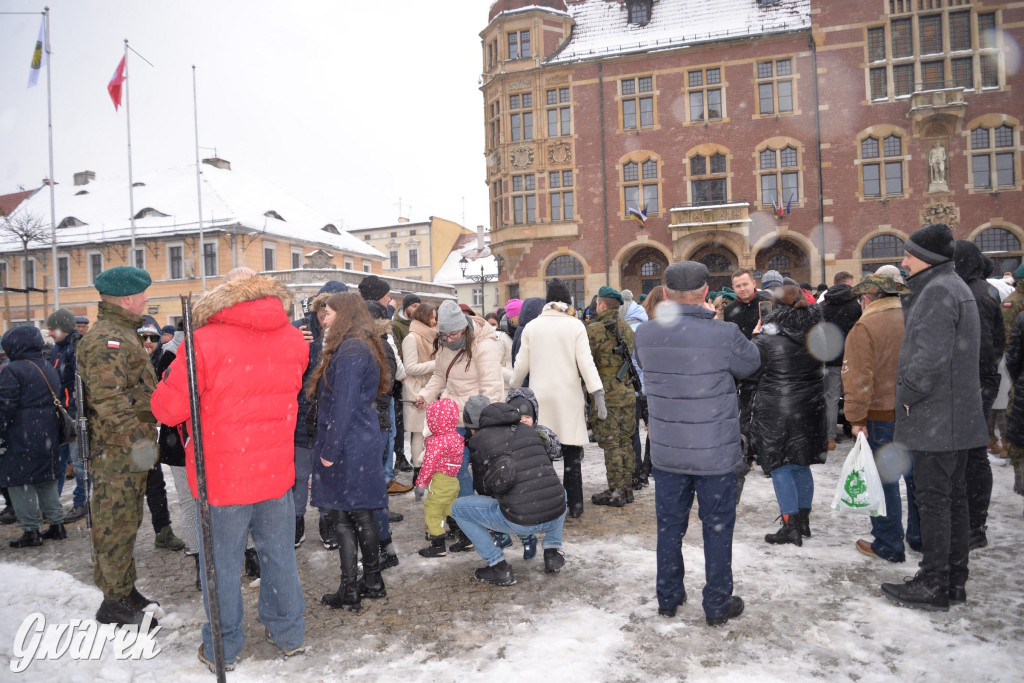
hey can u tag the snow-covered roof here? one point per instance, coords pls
(602, 28)
(450, 272)
(230, 197)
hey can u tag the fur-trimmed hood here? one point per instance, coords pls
(214, 306)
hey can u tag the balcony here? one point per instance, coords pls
(937, 105)
(732, 217)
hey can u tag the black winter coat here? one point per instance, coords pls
(62, 359)
(789, 423)
(970, 265)
(29, 427)
(168, 440)
(745, 313)
(303, 439)
(841, 309)
(537, 495)
(1014, 367)
(379, 313)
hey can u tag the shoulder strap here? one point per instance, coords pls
(55, 399)
(452, 364)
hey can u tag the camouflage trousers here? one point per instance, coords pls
(615, 436)
(116, 515)
(1016, 456)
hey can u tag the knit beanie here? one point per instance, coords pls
(558, 291)
(771, 278)
(408, 300)
(62, 319)
(372, 288)
(450, 317)
(933, 244)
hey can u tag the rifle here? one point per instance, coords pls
(82, 429)
(205, 523)
(628, 372)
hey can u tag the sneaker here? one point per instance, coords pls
(735, 609)
(554, 560)
(327, 534)
(529, 547)
(166, 539)
(395, 487)
(915, 593)
(999, 462)
(76, 513)
(499, 575)
(210, 664)
(502, 540)
(287, 653)
(300, 531)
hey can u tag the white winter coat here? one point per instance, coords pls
(555, 353)
(419, 367)
(483, 376)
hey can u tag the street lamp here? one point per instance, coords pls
(482, 278)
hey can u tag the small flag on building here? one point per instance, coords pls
(38, 55)
(640, 216)
(116, 83)
(789, 204)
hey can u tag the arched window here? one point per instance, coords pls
(992, 157)
(640, 185)
(882, 166)
(780, 176)
(569, 270)
(780, 262)
(650, 269)
(708, 179)
(879, 251)
(1002, 246)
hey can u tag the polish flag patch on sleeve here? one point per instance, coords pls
(113, 344)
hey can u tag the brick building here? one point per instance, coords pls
(708, 113)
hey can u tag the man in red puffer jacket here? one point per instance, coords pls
(249, 365)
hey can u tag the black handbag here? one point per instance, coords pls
(68, 428)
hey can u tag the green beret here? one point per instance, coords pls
(1019, 273)
(122, 281)
(607, 292)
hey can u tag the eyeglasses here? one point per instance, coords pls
(450, 336)
(150, 337)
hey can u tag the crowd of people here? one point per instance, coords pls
(315, 412)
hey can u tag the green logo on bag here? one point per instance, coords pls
(854, 487)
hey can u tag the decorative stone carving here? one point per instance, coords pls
(319, 259)
(519, 85)
(493, 162)
(560, 153)
(941, 213)
(521, 157)
(937, 168)
(557, 80)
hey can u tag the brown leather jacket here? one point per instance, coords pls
(870, 361)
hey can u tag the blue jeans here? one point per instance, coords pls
(893, 462)
(465, 476)
(478, 514)
(281, 603)
(69, 454)
(389, 448)
(303, 471)
(794, 488)
(716, 501)
(383, 525)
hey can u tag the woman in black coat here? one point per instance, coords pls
(788, 432)
(30, 436)
(1015, 419)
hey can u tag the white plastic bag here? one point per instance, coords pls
(860, 487)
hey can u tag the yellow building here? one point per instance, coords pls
(246, 222)
(415, 251)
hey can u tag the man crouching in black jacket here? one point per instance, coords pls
(518, 491)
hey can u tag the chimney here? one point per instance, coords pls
(217, 162)
(480, 238)
(83, 177)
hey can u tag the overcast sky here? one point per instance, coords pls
(347, 105)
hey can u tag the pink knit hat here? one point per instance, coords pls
(513, 307)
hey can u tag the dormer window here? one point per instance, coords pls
(330, 227)
(148, 212)
(639, 12)
(70, 222)
(273, 214)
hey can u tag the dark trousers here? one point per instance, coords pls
(356, 529)
(399, 421)
(572, 474)
(156, 498)
(893, 463)
(716, 506)
(638, 455)
(941, 493)
(979, 486)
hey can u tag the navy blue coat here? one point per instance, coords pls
(348, 433)
(691, 363)
(29, 426)
(63, 361)
(530, 310)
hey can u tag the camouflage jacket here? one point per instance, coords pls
(602, 345)
(118, 381)
(1012, 306)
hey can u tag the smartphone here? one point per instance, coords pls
(764, 308)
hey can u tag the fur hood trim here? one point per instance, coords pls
(235, 292)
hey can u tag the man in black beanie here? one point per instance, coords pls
(558, 291)
(938, 415)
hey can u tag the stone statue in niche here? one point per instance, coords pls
(937, 168)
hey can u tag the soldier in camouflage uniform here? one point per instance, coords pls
(1013, 305)
(615, 433)
(118, 380)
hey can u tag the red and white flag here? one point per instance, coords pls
(116, 83)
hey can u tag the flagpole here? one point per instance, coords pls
(131, 184)
(199, 186)
(53, 182)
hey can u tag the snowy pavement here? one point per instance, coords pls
(812, 613)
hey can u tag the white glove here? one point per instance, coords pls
(602, 410)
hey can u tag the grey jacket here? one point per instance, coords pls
(938, 390)
(691, 363)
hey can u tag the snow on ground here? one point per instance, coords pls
(812, 613)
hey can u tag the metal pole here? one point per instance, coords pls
(604, 174)
(817, 136)
(199, 187)
(49, 128)
(128, 118)
(205, 526)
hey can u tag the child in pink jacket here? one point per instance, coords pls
(438, 474)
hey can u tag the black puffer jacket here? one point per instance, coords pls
(536, 496)
(970, 264)
(380, 314)
(789, 409)
(841, 309)
(172, 452)
(28, 419)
